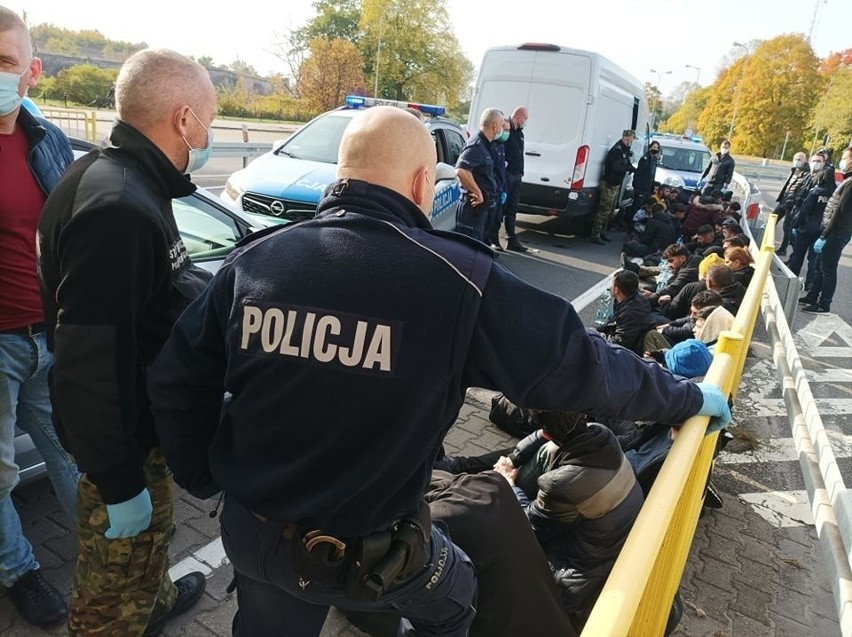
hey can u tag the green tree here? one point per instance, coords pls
(765, 95)
(655, 104)
(84, 83)
(333, 70)
(411, 46)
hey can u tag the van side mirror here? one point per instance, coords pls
(444, 171)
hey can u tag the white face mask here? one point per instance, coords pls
(843, 165)
(723, 150)
(799, 164)
(816, 166)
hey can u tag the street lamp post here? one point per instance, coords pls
(739, 91)
(697, 74)
(660, 75)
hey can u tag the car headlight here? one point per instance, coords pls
(232, 192)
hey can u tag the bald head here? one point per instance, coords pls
(390, 147)
(519, 116)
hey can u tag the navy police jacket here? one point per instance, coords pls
(346, 344)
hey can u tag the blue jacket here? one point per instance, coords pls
(50, 152)
(346, 344)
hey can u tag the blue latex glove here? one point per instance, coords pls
(129, 518)
(503, 197)
(819, 244)
(716, 406)
(794, 232)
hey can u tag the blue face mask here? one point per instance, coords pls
(9, 97)
(198, 157)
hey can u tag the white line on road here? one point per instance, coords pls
(206, 559)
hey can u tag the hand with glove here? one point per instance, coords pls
(503, 197)
(716, 406)
(819, 244)
(129, 518)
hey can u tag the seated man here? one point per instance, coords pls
(720, 278)
(632, 317)
(703, 239)
(681, 329)
(581, 497)
(659, 231)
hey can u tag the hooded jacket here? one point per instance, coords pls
(699, 213)
(631, 320)
(586, 503)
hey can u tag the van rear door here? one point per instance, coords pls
(558, 103)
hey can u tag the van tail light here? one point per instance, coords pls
(580, 168)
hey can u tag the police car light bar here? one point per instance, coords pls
(357, 101)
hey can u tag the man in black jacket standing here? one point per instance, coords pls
(616, 165)
(720, 170)
(514, 174)
(318, 359)
(115, 275)
(791, 195)
(646, 173)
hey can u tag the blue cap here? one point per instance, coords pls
(689, 358)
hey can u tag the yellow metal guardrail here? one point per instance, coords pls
(639, 592)
(74, 123)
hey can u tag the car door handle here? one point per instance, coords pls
(532, 153)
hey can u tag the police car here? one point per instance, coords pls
(289, 181)
(681, 161)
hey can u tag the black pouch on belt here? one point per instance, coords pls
(389, 556)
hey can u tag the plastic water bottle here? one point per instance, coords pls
(664, 275)
(604, 311)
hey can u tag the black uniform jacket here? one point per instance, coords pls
(346, 344)
(115, 275)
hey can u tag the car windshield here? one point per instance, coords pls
(693, 160)
(318, 140)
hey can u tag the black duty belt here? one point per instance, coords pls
(25, 330)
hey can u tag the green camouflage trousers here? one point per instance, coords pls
(606, 205)
(121, 584)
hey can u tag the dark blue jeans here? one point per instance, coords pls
(273, 600)
(825, 281)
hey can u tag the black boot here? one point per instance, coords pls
(190, 588)
(516, 246)
(37, 601)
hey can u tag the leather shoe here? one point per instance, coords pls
(516, 246)
(190, 588)
(597, 241)
(37, 600)
(807, 300)
(815, 309)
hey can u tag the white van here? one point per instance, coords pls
(579, 104)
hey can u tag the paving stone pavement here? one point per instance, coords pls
(745, 577)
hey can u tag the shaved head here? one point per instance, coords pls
(169, 99)
(153, 83)
(390, 147)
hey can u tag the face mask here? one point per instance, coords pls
(198, 157)
(655, 151)
(843, 165)
(798, 163)
(502, 137)
(724, 151)
(816, 166)
(9, 97)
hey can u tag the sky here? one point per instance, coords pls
(652, 39)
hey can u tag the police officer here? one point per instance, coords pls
(514, 174)
(616, 165)
(498, 154)
(475, 170)
(343, 375)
